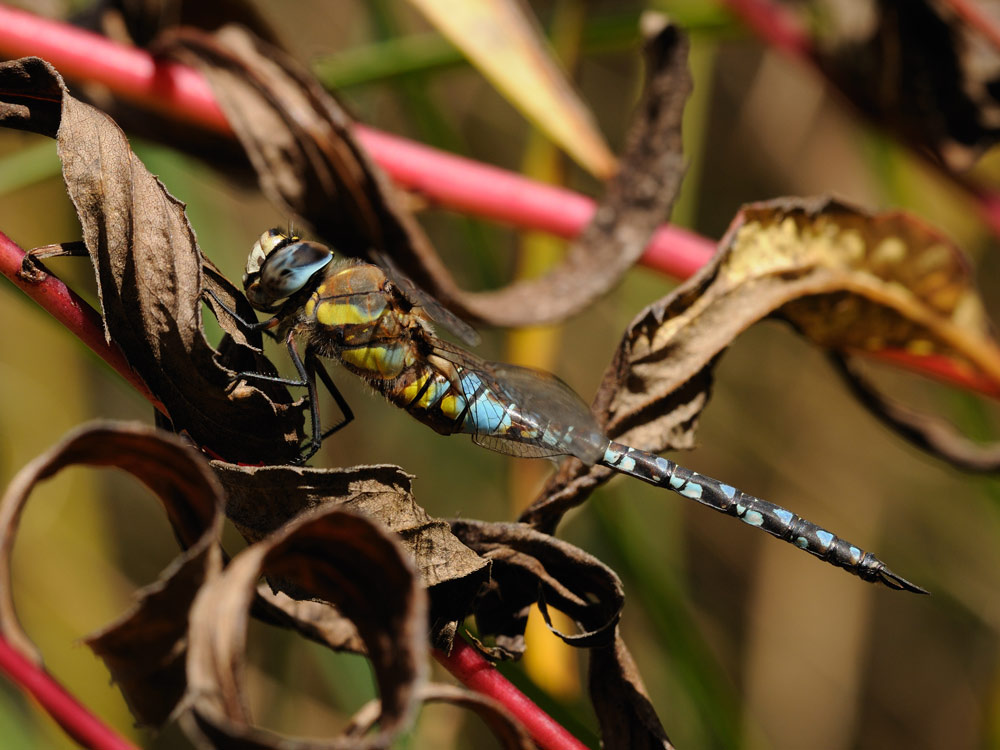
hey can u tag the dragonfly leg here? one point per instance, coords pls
(307, 379)
(314, 365)
(256, 325)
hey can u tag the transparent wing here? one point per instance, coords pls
(434, 309)
(537, 399)
(514, 448)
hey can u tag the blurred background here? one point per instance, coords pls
(742, 641)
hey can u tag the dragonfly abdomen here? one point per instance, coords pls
(753, 511)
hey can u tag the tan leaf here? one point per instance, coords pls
(145, 649)
(508, 730)
(845, 278)
(149, 275)
(299, 140)
(332, 556)
(530, 567)
(504, 42)
(262, 499)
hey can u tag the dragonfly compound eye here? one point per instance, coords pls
(289, 268)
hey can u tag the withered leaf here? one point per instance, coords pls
(508, 730)
(846, 279)
(145, 649)
(149, 275)
(922, 430)
(333, 556)
(317, 621)
(621, 702)
(261, 499)
(635, 201)
(139, 22)
(529, 567)
(921, 69)
(300, 142)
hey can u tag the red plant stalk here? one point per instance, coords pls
(450, 181)
(73, 312)
(469, 666)
(89, 731)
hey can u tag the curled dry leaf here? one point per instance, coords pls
(149, 276)
(922, 430)
(333, 556)
(299, 140)
(262, 499)
(621, 702)
(508, 730)
(145, 649)
(923, 68)
(529, 566)
(846, 279)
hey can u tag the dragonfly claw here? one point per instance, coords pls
(308, 452)
(897, 582)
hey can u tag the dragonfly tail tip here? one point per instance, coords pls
(899, 583)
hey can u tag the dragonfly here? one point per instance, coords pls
(380, 327)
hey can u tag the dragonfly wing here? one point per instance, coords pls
(434, 309)
(565, 413)
(528, 402)
(508, 447)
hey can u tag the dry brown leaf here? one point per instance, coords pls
(316, 621)
(530, 567)
(145, 649)
(845, 278)
(299, 140)
(332, 556)
(504, 41)
(149, 274)
(510, 733)
(635, 201)
(262, 499)
(621, 702)
(925, 431)
(920, 67)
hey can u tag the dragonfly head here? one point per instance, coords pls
(279, 265)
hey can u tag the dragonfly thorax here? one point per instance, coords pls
(279, 265)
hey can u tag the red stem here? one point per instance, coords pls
(76, 719)
(469, 666)
(184, 94)
(443, 178)
(73, 312)
(775, 24)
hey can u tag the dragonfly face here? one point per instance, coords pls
(279, 265)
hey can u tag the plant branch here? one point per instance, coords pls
(464, 662)
(73, 312)
(473, 671)
(75, 719)
(443, 178)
